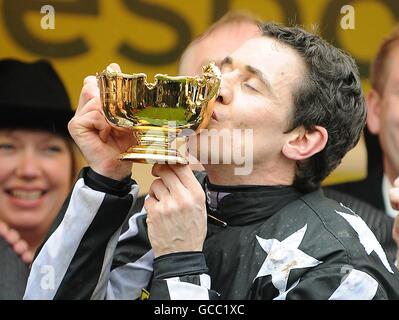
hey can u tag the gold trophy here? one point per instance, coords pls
(157, 113)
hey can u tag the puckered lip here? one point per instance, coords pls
(214, 116)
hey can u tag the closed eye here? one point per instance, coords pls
(250, 87)
(54, 149)
(6, 146)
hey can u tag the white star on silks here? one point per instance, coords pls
(284, 256)
(366, 236)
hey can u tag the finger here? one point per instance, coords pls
(395, 236)
(114, 67)
(394, 198)
(185, 175)
(396, 182)
(27, 257)
(91, 121)
(159, 190)
(93, 104)
(12, 236)
(123, 136)
(88, 93)
(95, 120)
(121, 132)
(168, 177)
(20, 247)
(395, 229)
(3, 229)
(149, 203)
(90, 79)
(104, 133)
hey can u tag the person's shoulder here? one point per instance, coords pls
(373, 216)
(15, 273)
(333, 213)
(313, 214)
(377, 220)
(323, 230)
(339, 224)
(312, 226)
(329, 225)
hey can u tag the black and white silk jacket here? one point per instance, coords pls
(263, 242)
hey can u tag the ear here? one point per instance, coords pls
(302, 144)
(373, 102)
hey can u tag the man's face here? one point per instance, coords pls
(389, 113)
(258, 80)
(216, 46)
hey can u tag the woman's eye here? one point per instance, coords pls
(54, 149)
(6, 146)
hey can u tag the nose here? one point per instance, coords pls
(28, 166)
(225, 93)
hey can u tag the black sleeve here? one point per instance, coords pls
(181, 276)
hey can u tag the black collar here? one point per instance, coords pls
(245, 204)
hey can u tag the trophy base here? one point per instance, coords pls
(152, 155)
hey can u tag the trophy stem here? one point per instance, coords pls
(154, 146)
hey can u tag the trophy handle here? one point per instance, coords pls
(211, 76)
(210, 83)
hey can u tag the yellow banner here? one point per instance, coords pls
(81, 37)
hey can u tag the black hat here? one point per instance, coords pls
(33, 96)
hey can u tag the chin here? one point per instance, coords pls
(26, 222)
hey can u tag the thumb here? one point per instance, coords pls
(394, 198)
(395, 230)
(114, 67)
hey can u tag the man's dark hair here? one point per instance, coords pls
(330, 95)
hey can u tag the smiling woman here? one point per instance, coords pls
(35, 178)
(37, 164)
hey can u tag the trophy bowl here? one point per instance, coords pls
(158, 113)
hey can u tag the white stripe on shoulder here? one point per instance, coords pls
(358, 285)
(58, 251)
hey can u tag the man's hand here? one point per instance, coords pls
(395, 235)
(176, 210)
(394, 197)
(99, 142)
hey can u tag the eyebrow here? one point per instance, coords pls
(252, 70)
(226, 60)
(13, 134)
